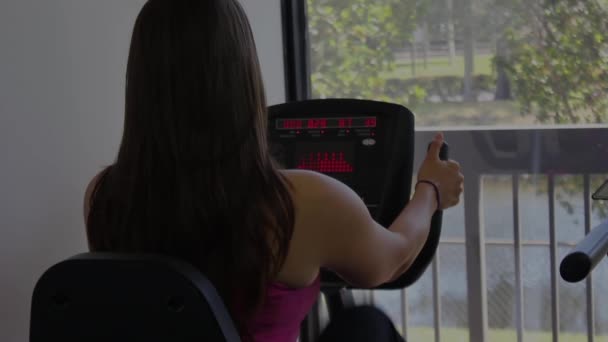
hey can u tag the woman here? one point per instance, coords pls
(194, 179)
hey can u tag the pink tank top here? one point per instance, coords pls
(283, 311)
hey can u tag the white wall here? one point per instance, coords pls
(265, 17)
(62, 66)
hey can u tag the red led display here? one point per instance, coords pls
(370, 122)
(325, 123)
(291, 124)
(345, 123)
(316, 123)
(325, 162)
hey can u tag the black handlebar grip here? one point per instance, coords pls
(444, 151)
(426, 255)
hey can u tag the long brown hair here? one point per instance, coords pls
(193, 177)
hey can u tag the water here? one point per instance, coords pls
(500, 270)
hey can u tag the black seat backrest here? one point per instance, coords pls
(114, 297)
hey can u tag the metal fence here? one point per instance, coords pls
(550, 159)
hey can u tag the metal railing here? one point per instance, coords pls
(549, 151)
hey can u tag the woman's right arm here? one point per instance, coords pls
(348, 240)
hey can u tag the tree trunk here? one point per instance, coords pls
(451, 32)
(413, 56)
(469, 51)
(503, 84)
(426, 42)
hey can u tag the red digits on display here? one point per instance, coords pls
(345, 123)
(325, 123)
(292, 124)
(317, 123)
(325, 162)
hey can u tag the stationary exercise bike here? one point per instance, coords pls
(104, 296)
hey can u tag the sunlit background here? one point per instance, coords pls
(483, 65)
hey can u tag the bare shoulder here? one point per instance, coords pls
(323, 206)
(303, 175)
(325, 203)
(309, 184)
(334, 228)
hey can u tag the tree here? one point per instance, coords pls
(426, 42)
(499, 17)
(503, 84)
(451, 37)
(469, 49)
(353, 43)
(559, 61)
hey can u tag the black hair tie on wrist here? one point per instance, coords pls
(437, 196)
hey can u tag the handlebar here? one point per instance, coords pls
(583, 258)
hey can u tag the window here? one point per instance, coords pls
(465, 62)
(529, 79)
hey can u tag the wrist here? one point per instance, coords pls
(432, 189)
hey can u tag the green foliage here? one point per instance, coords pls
(559, 61)
(353, 43)
(570, 193)
(570, 188)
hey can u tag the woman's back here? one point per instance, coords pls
(290, 295)
(194, 177)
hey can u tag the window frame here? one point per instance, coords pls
(296, 54)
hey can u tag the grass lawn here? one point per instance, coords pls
(470, 114)
(494, 335)
(440, 66)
